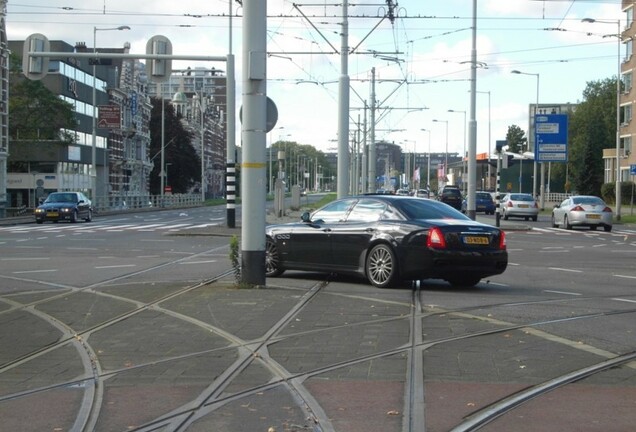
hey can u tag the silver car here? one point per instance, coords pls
(582, 210)
(521, 205)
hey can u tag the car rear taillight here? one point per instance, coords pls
(435, 239)
(578, 208)
(607, 209)
(536, 205)
(510, 204)
(502, 240)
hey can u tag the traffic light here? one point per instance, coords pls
(500, 144)
(159, 70)
(35, 68)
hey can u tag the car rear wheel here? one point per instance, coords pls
(505, 216)
(534, 218)
(566, 223)
(607, 228)
(272, 259)
(39, 221)
(593, 227)
(381, 268)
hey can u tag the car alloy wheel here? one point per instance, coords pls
(89, 216)
(74, 216)
(381, 268)
(272, 259)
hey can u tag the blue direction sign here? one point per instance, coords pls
(551, 138)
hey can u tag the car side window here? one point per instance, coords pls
(565, 202)
(366, 210)
(334, 212)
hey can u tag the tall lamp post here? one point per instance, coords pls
(619, 38)
(535, 149)
(93, 172)
(488, 184)
(464, 155)
(446, 148)
(428, 166)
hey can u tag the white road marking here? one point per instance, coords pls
(562, 292)
(565, 270)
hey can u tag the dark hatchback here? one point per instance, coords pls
(483, 203)
(452, 196)
(388, 239)
(70, 206)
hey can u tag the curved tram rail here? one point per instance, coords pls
(265, 352)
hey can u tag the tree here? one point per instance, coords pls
(185, 164)
(516, 139)
(35, 112)
(593, 128)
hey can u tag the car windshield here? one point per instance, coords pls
(588, 200)
(61, 197)
(425, 209)
(483, 196)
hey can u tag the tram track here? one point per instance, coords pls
(213, 398)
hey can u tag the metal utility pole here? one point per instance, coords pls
(343, 107)
(230, 175)
(372, 156)
(471, 207)
(253, 130)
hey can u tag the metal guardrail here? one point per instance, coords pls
(131, 202)
(116, 204)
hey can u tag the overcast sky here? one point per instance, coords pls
(428, 44)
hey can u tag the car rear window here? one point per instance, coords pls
(521, 197)
(428, 209)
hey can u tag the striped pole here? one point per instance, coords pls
(498, 190)
(230, 186)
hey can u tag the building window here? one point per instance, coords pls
(629, 17)
(626, 145)
(629, 46)
(627, 82)
(626, 114)
(609, 170)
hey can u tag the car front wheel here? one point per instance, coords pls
(89, 216)
(74, 216)
(381, 268)
(272, 259)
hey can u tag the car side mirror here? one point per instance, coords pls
(305, 217)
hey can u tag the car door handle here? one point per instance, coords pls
(369, 230)
(326, 229)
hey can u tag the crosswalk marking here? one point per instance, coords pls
(95, 228)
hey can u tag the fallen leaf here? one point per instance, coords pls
(393, 413)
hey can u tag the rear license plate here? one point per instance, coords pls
(523, 206)
(593, 216)
(474, 240)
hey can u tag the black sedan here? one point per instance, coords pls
(70, 206)
(388, 239)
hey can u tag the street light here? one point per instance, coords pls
(464, 156)
(536, 152)
(428, 167)
(446, 151)
(93, 172)
(618, 108)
